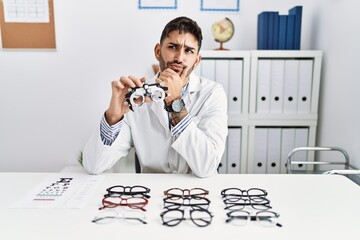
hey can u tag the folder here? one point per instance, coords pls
(273, 150)
(223, 163)
(198, 70)
(273, 30)
(276, 31)
(290, 32)
(304, 85)
(260, 150)
(235, 86)
(208, 68)
(277, 86)
(262, 31)
(263, 86)
(301, 140)
(297, 13)
(282, 32)
(287, 144)
(291, 85)
(222, 74)
(234, 150)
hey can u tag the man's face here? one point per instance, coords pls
(178, 52)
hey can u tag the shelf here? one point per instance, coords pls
(277, 120)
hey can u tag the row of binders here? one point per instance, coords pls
(279, 32)
(230, 74)
(284, 85)
(272, 146)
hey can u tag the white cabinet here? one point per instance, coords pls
(272, 105)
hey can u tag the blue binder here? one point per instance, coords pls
(262, 31)
(290, 32)
(282, 32)
(273, 30)
(297, 12)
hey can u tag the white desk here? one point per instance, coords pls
(310, 207)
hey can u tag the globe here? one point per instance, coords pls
(222, 31)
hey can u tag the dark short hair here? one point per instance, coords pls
(183, 25)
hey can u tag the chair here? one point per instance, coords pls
(137, 164)
(321, 167)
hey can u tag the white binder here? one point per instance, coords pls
(234, 150)
(287, 144)
(222, 74)
(260, 150)
(223, 163)
(304, 85)
(208, 69)
(235, 86)
(197, 70)
(273, 150)
(301, 140)
(277, 85)
(263, 86)
(290, 85)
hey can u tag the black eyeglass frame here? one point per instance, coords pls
(243, 193)
(191, 211)
(128, 191)
(261, 203)
(186, 202)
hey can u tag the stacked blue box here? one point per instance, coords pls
(279, 32)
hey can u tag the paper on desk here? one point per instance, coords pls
(61, 191)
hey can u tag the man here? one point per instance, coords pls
(185, 133)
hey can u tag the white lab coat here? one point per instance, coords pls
(198, 149)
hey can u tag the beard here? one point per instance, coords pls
(164, 66)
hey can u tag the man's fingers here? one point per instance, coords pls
(184, 73)
(137, 81)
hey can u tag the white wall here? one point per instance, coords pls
(50, 101)
(338, 35)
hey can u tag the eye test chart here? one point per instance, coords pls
(26, 11)
(61, 191)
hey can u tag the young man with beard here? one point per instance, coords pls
(184, 133)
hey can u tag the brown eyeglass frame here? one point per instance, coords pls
(109, 204)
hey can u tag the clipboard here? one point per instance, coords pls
(28, 35)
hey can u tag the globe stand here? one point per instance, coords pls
(221, 47)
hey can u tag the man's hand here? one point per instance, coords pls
(118, 105)
(174, 82)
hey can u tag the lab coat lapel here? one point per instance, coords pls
(194, 86)
(161, 114)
